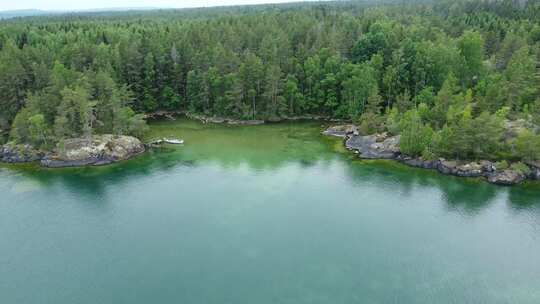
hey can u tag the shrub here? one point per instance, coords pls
(502, 165)
(427, 154)
(527, 146)
(392, 121)
(521, 168)
(371, 123)
(415, 136)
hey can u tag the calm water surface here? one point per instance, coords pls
(263, 214)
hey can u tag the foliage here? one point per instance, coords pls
(521, 168)
(527, 146)
(502, 165)
(415, 136)
(466, 137)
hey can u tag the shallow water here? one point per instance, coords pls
(263, 214)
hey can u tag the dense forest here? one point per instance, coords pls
(449, 76)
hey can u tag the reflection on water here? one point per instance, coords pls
(263, 214)
(467, 196)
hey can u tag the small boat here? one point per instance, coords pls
(170, 141)
(173, 141)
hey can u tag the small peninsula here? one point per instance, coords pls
(385, 146)
(95, 151)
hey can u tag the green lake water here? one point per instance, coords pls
(263, 214)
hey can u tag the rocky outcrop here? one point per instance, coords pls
(418, 162)
(468, 169)
(100, 150)
(273, 119)
(535, 170)
(457, 168)
(222, 120)
(13, 153)
(506, 177)
(160, 115)
(463, 169)
(383, 146)
(379, 146)
(341, 130)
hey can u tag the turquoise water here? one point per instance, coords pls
(263, 214)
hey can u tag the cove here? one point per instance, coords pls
(263, 214)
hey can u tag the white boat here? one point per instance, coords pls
(173, 141)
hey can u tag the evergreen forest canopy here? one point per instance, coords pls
(449, 76)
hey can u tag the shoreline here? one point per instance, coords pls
(384, 147)
(206, 119)
(99, 150)
(370, 147)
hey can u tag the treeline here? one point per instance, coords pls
(450, 76)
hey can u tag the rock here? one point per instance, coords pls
(463, 169)
(369, 148)
(470, 170)
(447, 167)
(101, 150)
(170, 115)
(341, 130)
(309, 117)
(244, 122)
(506, 177)
(418, 162)
(487, 166)
(220, 120)
(381, 137)
(535, 170)
(13, 153)
(535, 173)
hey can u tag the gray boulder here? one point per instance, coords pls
(535, 173)
(463, 169)
(473, 169)
(487, 166)
(418, 162)
(447, 167)
(374, 146)
(506, 177)
(13, 153)
(341, 130)
(535, 170)
(100, 150)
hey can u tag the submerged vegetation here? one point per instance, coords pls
(456, 79)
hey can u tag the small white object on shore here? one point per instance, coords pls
(173, 141)
(170, 141)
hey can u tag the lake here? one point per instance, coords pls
(263, 214)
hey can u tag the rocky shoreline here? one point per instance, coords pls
(231, 121)
(384, 146)
(107, 149)
(97, 151)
